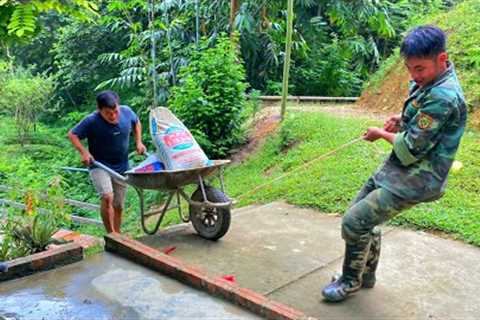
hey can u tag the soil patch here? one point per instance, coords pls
(265, 124)
(389, 96)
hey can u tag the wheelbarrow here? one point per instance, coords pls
(209, 208)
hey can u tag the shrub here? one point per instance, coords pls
(326, 72)
(24, 96)
(30, 230)
(211, 97)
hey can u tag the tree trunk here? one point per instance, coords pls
(265, 23)
(288, 51)
(234, 6)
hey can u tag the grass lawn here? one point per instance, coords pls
(329, 185)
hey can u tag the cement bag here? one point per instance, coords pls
(151, 164)
(176, 147)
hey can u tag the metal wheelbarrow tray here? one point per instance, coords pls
(209, 208)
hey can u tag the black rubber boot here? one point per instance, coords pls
(3, 267)
(353, 266)
(369, 277)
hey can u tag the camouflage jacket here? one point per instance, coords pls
(432, 124)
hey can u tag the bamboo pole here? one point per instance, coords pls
(197, 22)
(151, 25)
(288, 52)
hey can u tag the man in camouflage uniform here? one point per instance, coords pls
(425, 138)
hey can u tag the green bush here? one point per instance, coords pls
(328, 72)
(211, 97)
(24, 96)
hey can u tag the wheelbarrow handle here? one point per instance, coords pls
(109, 171)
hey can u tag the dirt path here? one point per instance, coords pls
(338, 109)
(268, 119)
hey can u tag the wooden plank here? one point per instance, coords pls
(75, 218)
(83, 220)
(73, 203)
(82, 205)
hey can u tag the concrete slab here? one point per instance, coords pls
(420, 276)
(105, 286)
(289, 254)
(193, 276)
(265, 248)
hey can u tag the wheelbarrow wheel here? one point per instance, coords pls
(210, 223)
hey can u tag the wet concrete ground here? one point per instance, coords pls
(289, 254)
(105, 286)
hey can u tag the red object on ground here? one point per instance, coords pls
(169, 250)
(230, 278)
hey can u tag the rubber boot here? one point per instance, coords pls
(3, 267)
(353, 266)
(369, 277)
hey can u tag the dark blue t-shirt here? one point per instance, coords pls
(108, 143)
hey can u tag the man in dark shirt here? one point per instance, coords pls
(107, 131)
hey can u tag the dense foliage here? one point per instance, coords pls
(55, 55)
(211, 97)
(23, 97)
(337, 40)
(462, 30)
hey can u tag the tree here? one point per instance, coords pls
(19, 18)
(77, 67)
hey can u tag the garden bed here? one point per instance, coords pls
(52, 258)
(55, 256)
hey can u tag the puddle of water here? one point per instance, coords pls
(153, 299)
(35, 304)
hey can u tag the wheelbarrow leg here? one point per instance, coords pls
(142, 212)
(202, 187)
(220, 177)
(180, 213)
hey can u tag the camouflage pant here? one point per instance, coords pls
(373, 206)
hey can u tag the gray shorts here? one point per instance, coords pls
(104, 184)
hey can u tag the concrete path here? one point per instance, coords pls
(289, 254)
(105, 286)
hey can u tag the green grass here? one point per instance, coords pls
(330, 185)
(463, 31)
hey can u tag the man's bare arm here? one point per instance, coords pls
(137, 133)
(86, 156)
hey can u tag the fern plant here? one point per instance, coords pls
(22, 15)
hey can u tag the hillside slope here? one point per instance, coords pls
(388, 87)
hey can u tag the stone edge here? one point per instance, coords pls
(197, 278)
(42, 261)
